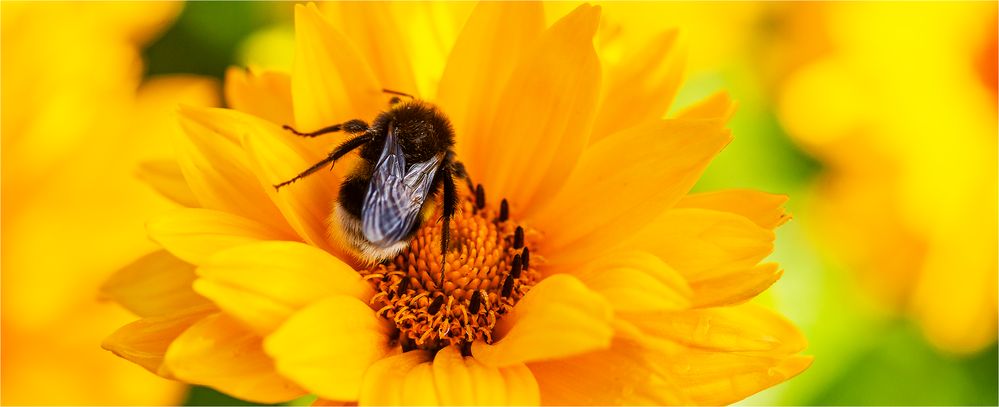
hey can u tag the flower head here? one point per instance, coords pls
(581, 271)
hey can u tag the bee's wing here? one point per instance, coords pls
(395, 195)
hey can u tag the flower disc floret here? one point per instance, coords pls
(486, 270)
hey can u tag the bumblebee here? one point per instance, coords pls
(407, 160)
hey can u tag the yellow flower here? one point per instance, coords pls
(76, 120)
(902, 112)
(629, 290)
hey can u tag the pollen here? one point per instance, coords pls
(487, 269)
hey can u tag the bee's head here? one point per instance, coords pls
(422, 129)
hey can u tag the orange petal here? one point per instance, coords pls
(217, 169)
(195, 234)
(473, 80)
(155, 284)
(326, 347)
(383, 381)
(716, 378)
(265, 94)
(331, 82)
(465, 381)
(701, 243)
(166, 178)
(717, 106)
(641, 86)
(220, 353)
(618, 375)
(765, 210)
(636, 281)
(743, 328)
(262, 284)
(145, 342)
(735, 286)
(544, 116)
(559, 317)
(643, 183)
(324, 402)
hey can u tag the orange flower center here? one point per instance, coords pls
(487, 269)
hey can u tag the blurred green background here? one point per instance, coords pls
(867, 350)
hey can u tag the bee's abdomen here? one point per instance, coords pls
(352, 193)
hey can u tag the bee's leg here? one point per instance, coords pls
(449, 208)
(460, 172)
(351, 127)
(340, 151)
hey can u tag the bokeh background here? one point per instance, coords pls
(879, 120)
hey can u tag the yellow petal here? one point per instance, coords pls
(326, 347)
(420, 34)
(383, 381)
(473, 80)
(465, 381)
(166, 178)
(155, 284)
(559, 317)
(217, 169)
(195, 234)
(636, 281)
(701, 243)
(643, 182)
(717, 378)
(331, 82)
(306, 204)
(454, 380)
(418, 387)
(735, 286)
(613, 376)
(717, 106)
(765, 210)
(521, 387)
(379, 36)
(156, 107)
(265, 94)
(451, 379)
(641, 86)
(262, 284)
(544, 116)
(743, 328)
(145, 342)
(276, 156)
(220, 353)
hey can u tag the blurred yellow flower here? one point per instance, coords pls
(902, 111)
(76, 120)
(631, 291)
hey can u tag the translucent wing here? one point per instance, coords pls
(395, 195)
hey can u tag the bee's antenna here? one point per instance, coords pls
(395, 92)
